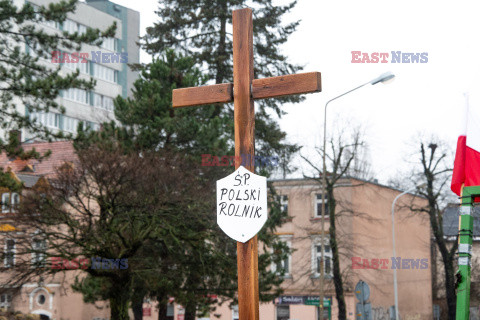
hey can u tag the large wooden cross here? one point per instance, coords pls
(242, 92)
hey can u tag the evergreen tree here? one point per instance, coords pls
(155, 124)
(200, 29)
(205, 263)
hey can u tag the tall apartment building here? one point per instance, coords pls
(112, 78)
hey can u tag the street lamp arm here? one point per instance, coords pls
(401, 194)
(335, 98)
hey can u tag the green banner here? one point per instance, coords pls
(315, 301)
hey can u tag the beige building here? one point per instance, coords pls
(364, 230)
(51, 297)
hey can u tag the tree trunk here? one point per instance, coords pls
(337, 275)
(119, 302)
(190, 311)
(162, 310)
(119, 307)
(137, 305)
(447, 259)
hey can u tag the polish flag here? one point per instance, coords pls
(466, 169)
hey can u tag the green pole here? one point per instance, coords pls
(465, 232)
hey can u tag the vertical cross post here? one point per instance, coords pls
(244, 118)
(244, 90)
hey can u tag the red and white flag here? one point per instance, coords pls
(466, 169)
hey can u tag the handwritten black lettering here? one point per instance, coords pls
(224, 192)
(222, 207)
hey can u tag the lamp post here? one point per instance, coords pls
(383, 78)
(393, 241)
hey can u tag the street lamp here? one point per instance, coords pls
(383, 78)
(393, 240)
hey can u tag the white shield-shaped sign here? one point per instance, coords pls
(242, 204)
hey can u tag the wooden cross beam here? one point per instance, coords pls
(244, 90)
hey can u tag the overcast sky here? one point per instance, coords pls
(424, 98)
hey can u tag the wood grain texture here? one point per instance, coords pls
(286, 85)
(188, 97)
(244, 120)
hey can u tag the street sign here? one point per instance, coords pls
(242, 204)
(315, 301)
(362, 291)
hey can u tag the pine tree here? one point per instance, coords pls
(205, 258)
(200, 29)
(149, 113)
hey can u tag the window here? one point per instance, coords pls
(82, 29)
(15, 201)
(318, 206)
(58, 121)
(78, 95)
(10, 202)
(104, 73)
(235, 315)
(47, 119)
(39, 246)
(91, 125)
(83, 67)
(6, 202)
(109, 44)
(285, 264)
(41, 299)
(9, 253)
(70, 124)
(284, 203)
(170, 311)
(317, 258)
(103, 102)
(283, 312)
(5, 300)
(71, 26)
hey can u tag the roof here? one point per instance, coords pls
(450, 220)
(28, 179)
(61, 152)
(315, 181)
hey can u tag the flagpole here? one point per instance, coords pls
(465, 238)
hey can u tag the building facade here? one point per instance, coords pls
(363, 229)
(52, 296)
(364, 233)
(106, 64)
